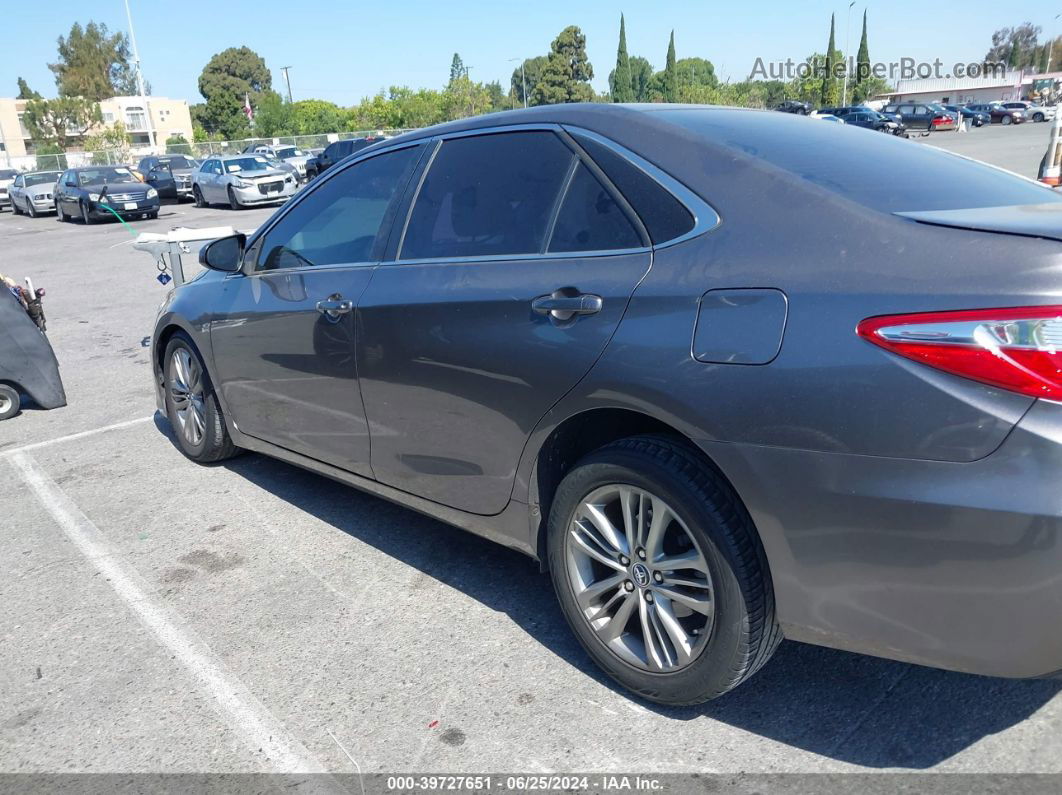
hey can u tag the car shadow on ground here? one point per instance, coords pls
(848, 707)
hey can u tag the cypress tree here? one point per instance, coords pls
(827, 79)
(622, 90)
(670, 75)
(863, 57)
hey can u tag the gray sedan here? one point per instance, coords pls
(32, 193)
(240, 181)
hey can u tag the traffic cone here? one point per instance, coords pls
(1051, 165)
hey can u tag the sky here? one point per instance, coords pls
(344, 51)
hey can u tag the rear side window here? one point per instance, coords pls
(338, 222)
(489, 195)
(590, 219)
(664, 216)
(882, 172)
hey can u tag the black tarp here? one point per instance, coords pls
(26, 357)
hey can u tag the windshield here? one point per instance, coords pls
(178, 162)
(44, 178)
(291, 151)
(256, 163)
(94, 176)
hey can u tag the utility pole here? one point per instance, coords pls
(1051, 44)
(847, 53)
(140, 80)
(287, 80)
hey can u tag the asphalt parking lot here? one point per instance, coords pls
(252, 617)
(1017, 148)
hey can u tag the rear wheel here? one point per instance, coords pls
(660, 572)
(192, 405)
(10, 402)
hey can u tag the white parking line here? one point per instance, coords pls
(260, 730)
(73, 436)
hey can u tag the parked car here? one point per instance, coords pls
(975, 118)
(923, 116)
(794, 106)
(32, 193)
(1032, 111)
(1000, 114)
(337, 150)
(576, 336)
(7, 176)
(291, 155)
(170, 175)
(241, 181)
(94, 193)
(872, 120)
(823, 116)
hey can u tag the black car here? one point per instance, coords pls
(926, 116)
(975, 118)
(336, 151)
(794, 106)
(999, 113)
(871, 120)
(170, 175)
(92, 193)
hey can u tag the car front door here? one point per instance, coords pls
(511, 275)
(284, 347)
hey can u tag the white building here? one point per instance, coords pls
(1012, 86)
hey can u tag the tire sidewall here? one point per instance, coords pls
(212, 420)
(713, 670)
(15, 401)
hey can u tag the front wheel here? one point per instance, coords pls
(192, 405)
(1038, 117)
(197, 197)
(10, 402)
(1007, 120)
(59, 214)
(86, 216)
(234, 203)
(31, 211)
(660, 572)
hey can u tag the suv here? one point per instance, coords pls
(711, 430)
(1033, 111)
(926, 116)
(336, 151)
(286, 154)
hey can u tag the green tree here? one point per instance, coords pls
(641, 77)
(316, 116)
(619, 82)
(457, 68)
(109, 146)
(868, 88)
(1016, 46)
(229, 77)
(25, 92)
(567, 74)
(273, 116)
(826, 97)
(50, 156)
(531, 72)
(93, 64)
(863, 56)
(496, 93)
(669, 85)
(693, 75)
(60, 121)
(178, 145)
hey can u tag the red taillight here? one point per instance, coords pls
(1018, 349)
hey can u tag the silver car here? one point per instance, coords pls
(33, 193)
(240, 181)
(7, 176)
(286, 154)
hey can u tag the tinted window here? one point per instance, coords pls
(338, 222)
(590, 220)
(664, 216)
(488, 195)
(864, 168)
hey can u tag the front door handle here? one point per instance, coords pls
(334, 306)
(564, 307)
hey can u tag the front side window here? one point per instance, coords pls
(338, 222)
(488, 195)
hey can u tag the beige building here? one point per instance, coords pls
(167, 117)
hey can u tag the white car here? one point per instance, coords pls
(286, 154)
(241, 181)
(33, 193)
(7, 176)
(1033, 112)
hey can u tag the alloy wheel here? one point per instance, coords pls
(639, 578)
(186, 394)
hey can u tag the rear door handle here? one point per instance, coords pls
(335, 306)
(564, 307)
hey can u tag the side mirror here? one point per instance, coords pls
(70, 183)
(223, 254)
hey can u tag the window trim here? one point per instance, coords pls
(248, 268)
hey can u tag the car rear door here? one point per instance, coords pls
(513, 272)
(284, 346)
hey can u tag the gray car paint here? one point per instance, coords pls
(904, 512)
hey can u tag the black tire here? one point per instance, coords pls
(60, 216)
(86, 216)
(14, 207)
(215, 444)
(234, 203)
(745, 632)
(10, 401)
(1038, 117)
(197, 197)
(31, 211)
(1007, 120)
(152, 215)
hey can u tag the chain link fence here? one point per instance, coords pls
(132, 156)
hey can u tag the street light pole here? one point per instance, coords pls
(847, 52)
(140, 79)
(287, 80)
